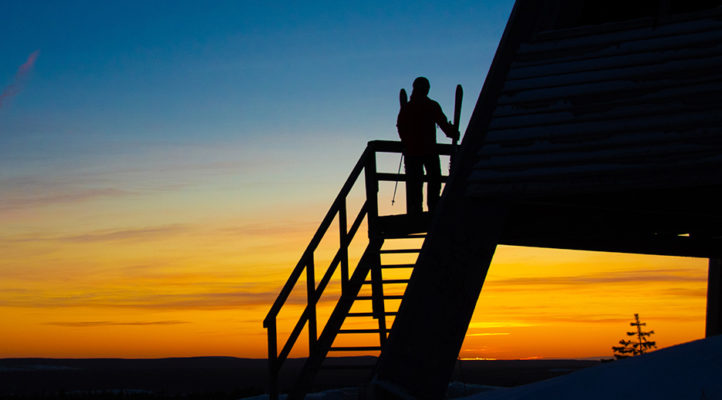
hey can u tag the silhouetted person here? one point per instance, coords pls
(417, 128)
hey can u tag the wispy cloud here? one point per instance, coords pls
(16, 85)
(637, 276)
(14, 203)
(270, 229)
(489, 334)
(139, 298)
(126, 234)
(222, 297)
(550, 318)
(499, 324)
(106, 235)
(685, 292)
(91, 324)
(205, 301)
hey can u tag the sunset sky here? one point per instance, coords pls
(164, 164)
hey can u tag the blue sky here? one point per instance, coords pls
(136, 96)
(116, 76)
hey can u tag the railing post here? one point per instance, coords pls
(311, 299)
(343, 238)
(372, 189)
(272, 361)
(372, 201)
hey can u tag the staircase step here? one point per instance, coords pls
(356, 348)
(397, 251)
(416, 235)
(397, 235)
(359, 331)
(388, 281)
(368, 314)
(390, 266)
(389, 297)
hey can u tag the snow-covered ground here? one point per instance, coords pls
(688, 371)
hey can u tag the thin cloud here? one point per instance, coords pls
(110, 235)
(228, 298)
(550, 319)
(684, 292)
(220, 300)
(271, 229)
(215, 301)
(205, 301)
(664, 275)
(91, 324)
(499, 324)
(624, 320)
(60, 198)
(489, 334)
(586, 319)
(127, 234)
(16, 85)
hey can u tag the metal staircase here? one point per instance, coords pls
(376, 283)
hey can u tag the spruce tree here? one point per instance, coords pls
(641, 345)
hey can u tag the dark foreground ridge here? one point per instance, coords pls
(218, 377)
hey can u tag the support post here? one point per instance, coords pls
(372, 204)
(343, 239)
(372, 190)
(272, 362)
(311, 298)
(377, 297)
(714, 298)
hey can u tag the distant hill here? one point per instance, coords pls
(222, 377)
(170, 376)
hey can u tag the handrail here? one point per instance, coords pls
(325, 223)
(369, 210)
(390, 146)
(321, 286)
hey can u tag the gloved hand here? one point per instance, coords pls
(451, 131)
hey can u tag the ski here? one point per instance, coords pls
(457, 117)
(457, 106)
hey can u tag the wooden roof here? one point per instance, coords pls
(601, 107)
(602, 130)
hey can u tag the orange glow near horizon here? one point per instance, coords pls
(140, 277)
(574, 304)
(535, 303)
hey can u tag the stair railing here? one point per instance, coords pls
(369, 211)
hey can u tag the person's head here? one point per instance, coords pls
(421, 87)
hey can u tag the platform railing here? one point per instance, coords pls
(307, 263)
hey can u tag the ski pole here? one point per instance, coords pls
(403, 99)
(397, 181)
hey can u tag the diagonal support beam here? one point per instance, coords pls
(425, 340)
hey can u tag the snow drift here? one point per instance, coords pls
(688, 371)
